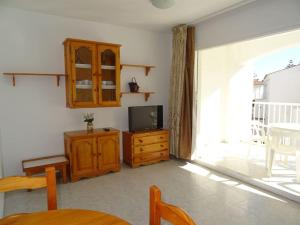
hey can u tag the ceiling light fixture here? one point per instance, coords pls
(163, 4)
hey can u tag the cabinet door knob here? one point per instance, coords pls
(141, 149)
(140, 140)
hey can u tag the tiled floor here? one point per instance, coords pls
(241, 159)
(210, 198)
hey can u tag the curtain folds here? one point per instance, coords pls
(181, 91)
(176, 86)
(185, 137)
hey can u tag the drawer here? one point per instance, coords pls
(151, 156)
(150, 139)
(151, 148)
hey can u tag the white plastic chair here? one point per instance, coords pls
(258, 137)
(282, 141)
(258, 132)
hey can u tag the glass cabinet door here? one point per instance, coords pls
(84, 74)
(109, 79)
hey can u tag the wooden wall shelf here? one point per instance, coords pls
(57, 75)
(146, 94)
(147, 67)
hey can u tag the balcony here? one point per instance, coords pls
(247, 159)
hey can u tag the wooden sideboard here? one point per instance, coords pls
(142, 148)
(92, 153)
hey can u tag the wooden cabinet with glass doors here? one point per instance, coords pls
(93, 74)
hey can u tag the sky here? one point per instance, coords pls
(276, 61)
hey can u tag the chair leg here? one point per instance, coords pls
(270, 162)
(298, 166)
(286, 160)
(267, 156)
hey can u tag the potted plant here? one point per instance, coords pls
(89, 118)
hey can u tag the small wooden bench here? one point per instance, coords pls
(38, 165)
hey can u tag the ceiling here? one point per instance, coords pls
(135, 13)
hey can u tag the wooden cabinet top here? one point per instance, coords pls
(87, 41)
(95, 132)
(146, 133)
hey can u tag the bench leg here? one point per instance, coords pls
(64, 174)
(28, 175)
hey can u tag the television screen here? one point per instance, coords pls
(143, 118)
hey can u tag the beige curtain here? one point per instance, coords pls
(185, 137)
(181, 91)
(176, 86)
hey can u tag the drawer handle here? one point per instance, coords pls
(161, 145)
(141, 149)
(161, 154)
(161, 137)
(140, 140)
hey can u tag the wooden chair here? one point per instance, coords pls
(171, 213)
(17, 183)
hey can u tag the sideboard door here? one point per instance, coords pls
(84, 157)
(108, 153)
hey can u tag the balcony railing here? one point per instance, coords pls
(275, 112)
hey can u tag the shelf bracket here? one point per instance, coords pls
(147, 95)
(147, 70)
(14, 80)
(57, 80)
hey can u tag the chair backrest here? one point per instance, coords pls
(282, 140)
(17, 183)
(171, 213)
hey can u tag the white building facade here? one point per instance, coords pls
(283, 86)
(281, 97)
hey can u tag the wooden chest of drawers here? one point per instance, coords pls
(144, 148)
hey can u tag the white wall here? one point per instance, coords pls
(260, 18)
(33, 115)
(283, 86)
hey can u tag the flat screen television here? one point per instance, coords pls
(143, 118)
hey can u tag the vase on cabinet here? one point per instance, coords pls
(89, 126)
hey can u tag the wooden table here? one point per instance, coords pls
(64, 217)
